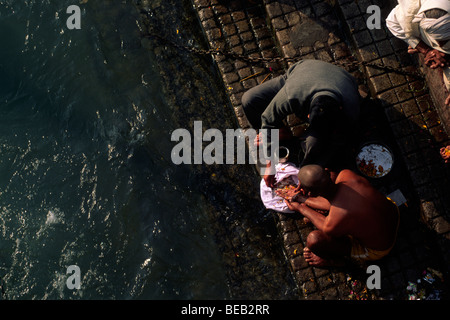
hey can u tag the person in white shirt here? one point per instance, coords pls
(425, 26)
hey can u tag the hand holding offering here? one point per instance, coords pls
(289, 191)
(445, 153)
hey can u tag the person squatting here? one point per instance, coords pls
(360, 222)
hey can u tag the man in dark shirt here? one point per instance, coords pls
(321, 94)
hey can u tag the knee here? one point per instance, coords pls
(315, 239)
(247, 100)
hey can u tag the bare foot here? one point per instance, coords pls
(316, 261)
(313, 259)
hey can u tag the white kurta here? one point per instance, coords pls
(408, 23)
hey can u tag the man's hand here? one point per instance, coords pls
(300, 189)
(270, 180)
(258, 139)
(411, 50)
(294, 206)
(445, 153)
(435, 59)
(447, 101)
(269, 175)
(422, 48)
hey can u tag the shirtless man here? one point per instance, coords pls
(361, 223)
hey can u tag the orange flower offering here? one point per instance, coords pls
(369, 168)
(447, 151)
(374, 161)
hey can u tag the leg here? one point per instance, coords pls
(256, 100)
(322, 250)
(314, 150)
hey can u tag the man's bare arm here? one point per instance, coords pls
(316, 218)
(318, 203)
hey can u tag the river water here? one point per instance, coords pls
(86, 177)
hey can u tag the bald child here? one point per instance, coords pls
(361, 223)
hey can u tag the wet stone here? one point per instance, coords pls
(381, 83)
(440, 225)
(416, 120)
(287, 225)
(374, 70)
(283, 36)
(362, 38)
(319, 272)
(247, 36)
(438, 134)
(274, 10)
(388, 98)
(384, 48)
(266, 44)
(378, 34)
(420, 176)
(413, 160)
(229, 30)
(330, 294)
(279, 23)
(291, 238)
(287, 7)
(425, 103)
(429, 209)
(322, 8)
(368, 53)
(289, 51)
(397, 79)
(304, 275)
(350, 10)
(298, 263)
(225, 19)
(407, 144)
(293, 19)
(403, 93)
(263, 34)
(205, 13)
(238, 16)
(242, 26)
(340, 51)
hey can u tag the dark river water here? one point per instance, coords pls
(86, 176)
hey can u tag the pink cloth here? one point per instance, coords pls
(268, 196)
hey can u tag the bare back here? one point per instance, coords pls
(359, 210)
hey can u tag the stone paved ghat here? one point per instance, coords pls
(400, 111)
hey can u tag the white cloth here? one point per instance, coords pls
(446, 76)
(405, 14)
(408, 22)
(268, 196)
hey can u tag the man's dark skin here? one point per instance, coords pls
(433, 58)
(355, 208)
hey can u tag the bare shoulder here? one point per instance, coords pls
(348, 175)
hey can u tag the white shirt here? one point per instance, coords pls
(400, 19)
